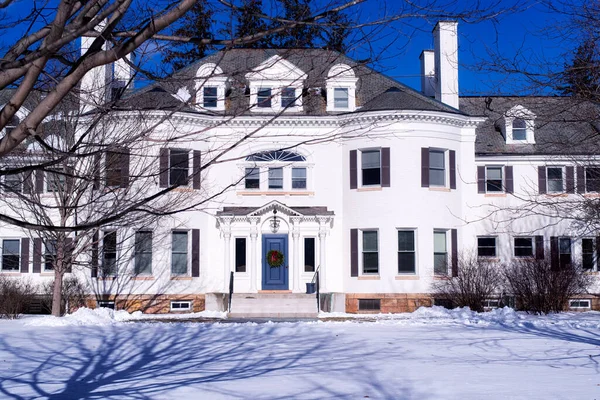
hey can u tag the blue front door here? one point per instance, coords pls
(275, 278)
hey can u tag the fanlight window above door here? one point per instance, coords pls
(276, 155)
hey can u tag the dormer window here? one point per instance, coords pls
(210, 87)
(276, 86)
(341, 88)
(519, 126)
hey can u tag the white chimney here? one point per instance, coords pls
(427, 73)
(93, 85)
(446, 62)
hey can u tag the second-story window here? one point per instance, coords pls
(283, 169)
(437, 168)
(371, 167)
(178, 167)
(288, 97)
(210, 97)
(263, 98)
(340, 98)
(555, 180)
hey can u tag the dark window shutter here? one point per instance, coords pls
(196, 170)
(554, 253)
(39, 181)
(580, 180)
(570, 179)
(94, 260)
(480, 179)
(37, 255)
(70, 178)
(424, 166)
(353, 169)
(385, 167)
(69, 254)
(597, 250)
(452, 156)
(542, 180)
(164, 168)
(508, 174)
(353, 252)
(96, 170)
(125, 155)
(195, 253)
(24, 255)
(27, 182)
(539, 247)
(454, 244)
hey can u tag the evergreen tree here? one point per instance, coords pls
(249, 22)
(336, 32)
(300, 36)
(581, 77)
(195, 23)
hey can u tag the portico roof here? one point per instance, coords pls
(257, 211)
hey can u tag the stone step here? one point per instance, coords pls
(273, 305)
(242, 315)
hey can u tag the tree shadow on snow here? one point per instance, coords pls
(143, 361)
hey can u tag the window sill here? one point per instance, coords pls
(47, 273)
(557, 194)
(441, 277)
(274, 193)
(406, 277)
(181, 278)
(484, 258)
(183, 190)
(495, 195)
(439, 189)
(592, 195)
(12, 273)
(369, 278)
(142, 278)
(369, 189)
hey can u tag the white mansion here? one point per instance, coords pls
(309, 161)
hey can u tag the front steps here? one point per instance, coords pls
(273, 305)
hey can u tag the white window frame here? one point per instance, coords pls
(563, 178)
(367, 150)
(135, 252)
(362, 252)
(575, 304)
(585, 177)
(188, 253)
(341, 76)
(446, 238)
(17, 178)
(533, 249)
(502, 180)
(106, 304)
(316, 249)
(102, 253)
(414, 251)
(491, 303)
(210, 75)
(446, 167)
(560, 253)
(246, 257)
(520, 112)
(2, 255)
(594, 258)
(188, 152)
(495, 247)
(189, 307)
(46, 254)
(287, 166)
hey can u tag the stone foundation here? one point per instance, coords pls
(150, 304)
(389, 302)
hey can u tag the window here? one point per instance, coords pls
(49, 255)
(179, 253)
(486, 247)
(11, 254)
(524, 247)
(406, 252)
(55, 181)
(371, 167)
(263, 98)
(106, 304)
(580, 304)
(210, 97)
(564, 252)
(555, 179)
(340, 98)
(181, 306)
(13, 183)
(587, 254)
(116, 160)
(276, 178)
(493, 179)
(592, 179)
(143, 253)
(298, 178)
(490, 304)
(288, 97)
(252, 178)
(519, 129)
(370, 253)
(276, 155)
(309, 254)
(440, 253)
(437, 168)
(240, 254)
(178, 167)
(109, 253)
(369, 304)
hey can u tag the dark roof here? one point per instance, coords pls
(563, 125)
(308, 211)
(371, 85)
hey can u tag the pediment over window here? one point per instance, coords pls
(276, 68)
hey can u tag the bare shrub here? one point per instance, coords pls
(15, 297)
(73, 294)
(477, 280)
(540, 288)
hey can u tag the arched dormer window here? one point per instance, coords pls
(519, 124)
(341, 88)
(276, 170)
(210, 87)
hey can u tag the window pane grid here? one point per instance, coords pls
(406, 252)
(340, 97)
(493, 179)
(109, 253)
(370, 252)
(486, 247)
(10, 255)
(440, 255)
(143, 252)
(288, 97)
(523, 247)
(437, 168)
(179, 163)
(275, 178)
(264, 98)
(371, 167)
(298, 178)
(252, 180)
(210, 97)
(179, 249)
(555, 180)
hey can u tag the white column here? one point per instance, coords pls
(225, 225)
(253, 251)
(322, 258)
(296, 264)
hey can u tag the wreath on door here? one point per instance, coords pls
(274, 258)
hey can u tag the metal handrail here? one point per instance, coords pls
(230, 289)
(315, 280)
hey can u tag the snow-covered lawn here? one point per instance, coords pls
(430, 354)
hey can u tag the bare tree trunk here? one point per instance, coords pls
(57, 291)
